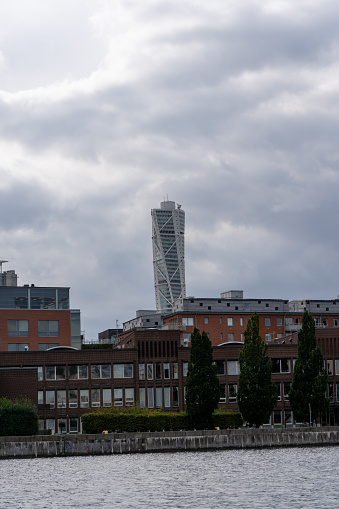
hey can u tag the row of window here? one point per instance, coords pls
(24, 347)
(85, 398)
(158, 371)
(81, 372)
(189, 321)
(20, 328)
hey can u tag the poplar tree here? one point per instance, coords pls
(257, 394)
(308, 391)
(202, 384)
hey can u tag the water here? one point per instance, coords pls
(300, 478)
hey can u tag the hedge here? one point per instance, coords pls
(18, 417)
(138, 420)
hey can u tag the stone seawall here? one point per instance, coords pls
(166, 441)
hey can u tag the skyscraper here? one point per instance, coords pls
(168, 229)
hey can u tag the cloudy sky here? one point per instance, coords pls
(229, 108)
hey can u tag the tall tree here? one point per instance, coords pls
(308, 390)
(257, 394)
(202, 384)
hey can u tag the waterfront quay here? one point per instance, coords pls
(165, 441)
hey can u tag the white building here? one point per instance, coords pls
(168, 229)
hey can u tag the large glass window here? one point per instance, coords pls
(73, 425)
(166, 370)
(267, 322)
(50, 424)
(101, 371)
(78, 372)
(167, 397)
(142, 397)
(150, 397)
(230, 321)
(73, 398)
(329, 365)
(233, 368)
(337, 366)
(84, 398)
(50, 399)
(158, 397)
(232, 393)
(286, 387)
(123, 370)
(129, 396)
(63, 298)
(95, 398)
(158, 370)
(184, 368)
(17, 347)
(118, 397)
(55, 372)
(222, 393)
(175, 392)
(189, 321)
(149, 371)
(61, 399)
(40, 397)
(106, 397)
(281, 366)
(17, 328)
(48, 328)
(43, 298)
(220, 367)
(141, 371)
(40, 373)
(13, 297)
(277, 417)
(174, 370)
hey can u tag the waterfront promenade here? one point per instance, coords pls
(165, 441)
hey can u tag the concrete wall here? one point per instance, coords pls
(126, 443)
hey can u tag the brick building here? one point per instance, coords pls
(35, 318)
(150, 369)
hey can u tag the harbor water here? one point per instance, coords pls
(298, 478)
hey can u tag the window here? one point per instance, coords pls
(232, 393)
(48, 328)
(158, 370)
(174, 370)
(167, 397)
(100, 371)
(220, 320)
(222, 393)
(206, 320)
(241, 322)
(221, 336)
(17, 347)
(150, 397)
(329, 365)
(288, 418)
(278, 390)
(230, 336)
(95, 398)
(129, 396)
(55, 372)
(142, 397)
(337, 366)
(286, 387)
(166, 370)
(123, 370)
(230, 321)
(324, 321)
(267, 322)
(50, 399)
(78, 372)
(106, 397)
(141, 371)
(277, 417)
(17, 328)
(220, 367)
(117, 397)
(149, 371)
(73, 425)
(40, 374)
(73, 398)
(61, 399)
(50, 424)
(184, 368)
(281, 366)
(189, 321)
(268, 338)
(40, 397)
(233, 368)
(316, 322)
(175, 393)
(331, 392)
(84, 398)
(279, 322)
(62, 426)
(158, 397)
(242, 337)
(335, 322)
(337, 391)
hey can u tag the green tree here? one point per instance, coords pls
(309, 375)
(18, 417)
(202, 384)
(257, 394)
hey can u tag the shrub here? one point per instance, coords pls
(18, 417)
(138, 420)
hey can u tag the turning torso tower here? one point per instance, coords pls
(168, 229)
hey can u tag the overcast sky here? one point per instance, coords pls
(230, 109)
